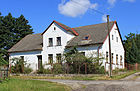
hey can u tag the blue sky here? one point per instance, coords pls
(40, 13)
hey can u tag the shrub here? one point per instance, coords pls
(115, 71)
(57, 69)
(18, 65)
(42, 70)
(27, 70)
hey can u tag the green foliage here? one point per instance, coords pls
(76, 62)
(11, 31)
(2, 61)
(57, 69)
(20, 66)
(42, 70)
(95, 67)
(132, 47)
(31, 85)
(27, 70)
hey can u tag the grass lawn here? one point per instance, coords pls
(103, 77)
(16, 84)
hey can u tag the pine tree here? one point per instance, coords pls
(11, 31)
(132, 48)
(134, 53)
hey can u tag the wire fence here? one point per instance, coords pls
(4, 72)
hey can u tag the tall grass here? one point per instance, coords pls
(31, 85)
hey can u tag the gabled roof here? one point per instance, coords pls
(64, 27)
(97, 33)
(31, 42)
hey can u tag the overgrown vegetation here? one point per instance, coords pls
(31, 85)
(74, 62)
(2, 61)
(77, 62)
(20, 66)
(95, 77)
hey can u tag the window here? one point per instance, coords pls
(86, 37)
(50, 41)
(50, 58)
(22, 58)
(107, 57)
(58, 41)
(58, 58)
(120, 60)
(54, 28)
(39, 61)
(83, 53)
(112, 37)
(112, 57)
(116, 39)
(116, 59)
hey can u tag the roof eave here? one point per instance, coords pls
(85, 45)
(24, 51)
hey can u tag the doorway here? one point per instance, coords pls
(39, 61)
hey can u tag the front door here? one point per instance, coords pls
(39, 61)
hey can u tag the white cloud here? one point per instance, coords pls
(111, 2)
(104, 18)
(74, 8)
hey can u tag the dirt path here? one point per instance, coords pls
(131, 77)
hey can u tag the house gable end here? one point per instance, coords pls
(71, 30)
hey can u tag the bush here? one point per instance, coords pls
(42, 70)
(27, 70)
(18, 65)
(57, 69)
(115, 71)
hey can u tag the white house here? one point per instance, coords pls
(37, 49)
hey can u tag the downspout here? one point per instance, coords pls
(98, 50)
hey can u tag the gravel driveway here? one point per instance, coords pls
(118, 85)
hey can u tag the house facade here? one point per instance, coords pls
(47, 47)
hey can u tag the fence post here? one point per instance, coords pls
(85, 68)
(4, 72)
(10, 67)
(1, 73)
(136, 66)
(126, 66)
(129, 66)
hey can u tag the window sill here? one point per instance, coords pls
(49, 46)
(58, 45)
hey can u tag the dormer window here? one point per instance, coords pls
(86, 37)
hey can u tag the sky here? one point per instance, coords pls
(75, 13)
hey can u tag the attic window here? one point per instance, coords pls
(54, 28)
(86, 37)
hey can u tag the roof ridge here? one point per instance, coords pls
(93, 24)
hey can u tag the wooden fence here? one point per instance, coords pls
(135, 66)
(4, 72)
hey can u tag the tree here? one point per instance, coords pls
(2, 61)
(76, 62)
(133, 56)
(132, 48)
(11, 31)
